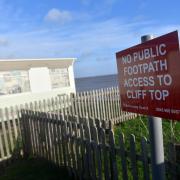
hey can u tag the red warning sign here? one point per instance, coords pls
(149, 77)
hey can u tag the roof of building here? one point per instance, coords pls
(24, 64)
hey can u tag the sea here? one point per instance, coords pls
(96, 82)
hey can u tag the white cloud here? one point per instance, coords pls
(3, 42)
(110, 1)
(85, 2)
(57, 16)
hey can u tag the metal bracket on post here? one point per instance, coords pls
(156, 140)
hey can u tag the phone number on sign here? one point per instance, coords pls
(167, 110)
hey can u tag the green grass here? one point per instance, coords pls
(139, 127)
(34, 169)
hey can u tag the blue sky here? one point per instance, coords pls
(90, 30)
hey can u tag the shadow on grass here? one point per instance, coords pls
(34, 169)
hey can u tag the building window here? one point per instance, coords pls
(59, 78)
(12, 82)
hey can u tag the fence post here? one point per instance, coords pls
(156, 140)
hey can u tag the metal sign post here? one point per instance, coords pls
(156, 140)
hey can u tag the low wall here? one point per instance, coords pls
(22, 98)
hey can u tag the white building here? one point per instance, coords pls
(28, 80)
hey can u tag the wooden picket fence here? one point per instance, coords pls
(99, 104)
(86, 146)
